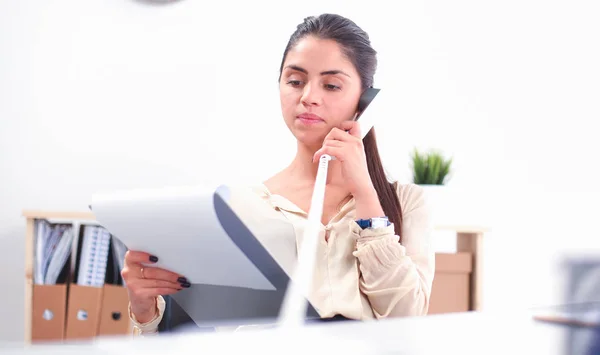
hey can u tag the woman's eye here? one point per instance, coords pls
(294, 82)
(331, 87)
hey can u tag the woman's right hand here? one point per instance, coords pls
(145, 283)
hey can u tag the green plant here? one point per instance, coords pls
(430, 168)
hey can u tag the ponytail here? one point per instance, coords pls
(385, 190)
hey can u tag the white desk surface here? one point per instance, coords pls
(466, 333)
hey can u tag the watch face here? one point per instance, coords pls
(379, 222)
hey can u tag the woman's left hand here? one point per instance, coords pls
(347, 147)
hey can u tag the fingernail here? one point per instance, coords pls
(182, 280)
(153, 258)
(186, 284)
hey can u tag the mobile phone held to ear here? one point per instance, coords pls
(366, 121)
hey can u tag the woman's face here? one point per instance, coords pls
(319, 89)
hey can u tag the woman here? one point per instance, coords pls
(363, 271)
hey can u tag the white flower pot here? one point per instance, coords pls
(443, 212)
(439, 200)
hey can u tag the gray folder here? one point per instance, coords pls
(213, 305)
(194, 231)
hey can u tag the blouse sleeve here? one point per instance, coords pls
(150, 327)
(397, 277)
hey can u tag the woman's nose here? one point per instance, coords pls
(311, 95)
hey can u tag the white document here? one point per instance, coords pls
(59, 257)
(179, 225)
(94, 256)
(52, 249)
(42, 229)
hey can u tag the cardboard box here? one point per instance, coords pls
(49, 306)
(83, 316)
(452, 283)
(114, 315)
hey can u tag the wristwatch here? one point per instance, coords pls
(377, 222)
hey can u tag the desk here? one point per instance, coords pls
(464, 333)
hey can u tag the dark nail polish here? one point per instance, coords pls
(186, 284)
(153, 258)
(182, 280)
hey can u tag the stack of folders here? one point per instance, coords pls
(52, 250)
(51, 269)
(93, 257)
(97, 302)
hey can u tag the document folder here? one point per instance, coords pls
(49, 307)
(114, 317)
(194, 224)
(215, 305)
(51, 270)
(85, 293)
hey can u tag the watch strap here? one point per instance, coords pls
(373, 222)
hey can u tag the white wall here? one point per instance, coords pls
(107, 94)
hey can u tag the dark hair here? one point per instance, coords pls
(356, 46)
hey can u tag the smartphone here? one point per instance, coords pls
(367, 121)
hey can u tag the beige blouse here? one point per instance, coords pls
(360, 274)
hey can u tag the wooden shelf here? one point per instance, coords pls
(70, 215)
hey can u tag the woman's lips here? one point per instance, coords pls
(309, 118)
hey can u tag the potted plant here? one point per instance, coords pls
(431, 170)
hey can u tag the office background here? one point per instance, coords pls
(99, 95)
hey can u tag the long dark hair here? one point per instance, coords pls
(357, 47)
